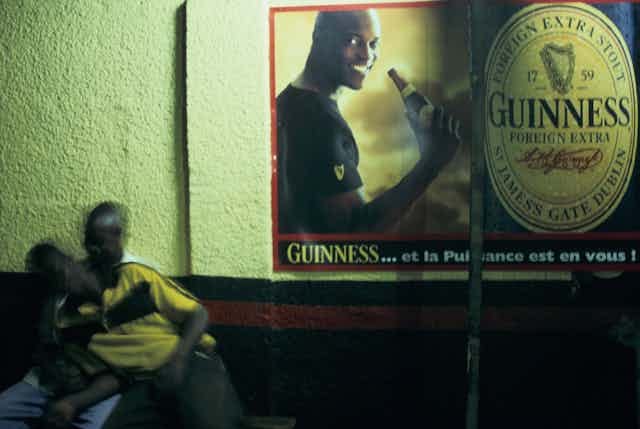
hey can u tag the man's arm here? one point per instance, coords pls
(348, 211)
(61, 412)
(171, 375)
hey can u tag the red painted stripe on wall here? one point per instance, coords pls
(447, 318)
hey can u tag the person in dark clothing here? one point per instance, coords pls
(68, 387)
(319, 187)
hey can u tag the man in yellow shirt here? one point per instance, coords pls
(178, 379)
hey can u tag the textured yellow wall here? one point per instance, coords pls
(228, 135)
(91, 108)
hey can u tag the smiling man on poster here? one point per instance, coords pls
(319, 187)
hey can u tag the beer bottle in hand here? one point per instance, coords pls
(421, 108)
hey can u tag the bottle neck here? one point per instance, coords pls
(407, 90)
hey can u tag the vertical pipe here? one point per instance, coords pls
(184, 204)
(476, 232)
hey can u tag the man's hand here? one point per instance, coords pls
(439, 142)
(171, 375)
(59, 414)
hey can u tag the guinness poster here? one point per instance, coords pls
(371, 131)
(351, 186)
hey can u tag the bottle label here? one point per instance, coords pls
(407, 90)
(560, 117)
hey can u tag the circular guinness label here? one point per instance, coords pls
(560, 117)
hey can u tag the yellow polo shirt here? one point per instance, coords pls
(145, 344)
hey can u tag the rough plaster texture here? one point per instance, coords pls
(227, 137)
(91, 108)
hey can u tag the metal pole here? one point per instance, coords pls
(476, 233)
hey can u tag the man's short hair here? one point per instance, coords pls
(327, 22)
(324, 21)
(332, 21)
(106, 208)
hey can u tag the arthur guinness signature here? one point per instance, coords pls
(579, 160)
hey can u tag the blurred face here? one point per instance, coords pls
(352, 47)
(66, 275)
(104, 240)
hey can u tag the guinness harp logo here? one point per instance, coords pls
(339, 170)
(559, 62)
(560, 134)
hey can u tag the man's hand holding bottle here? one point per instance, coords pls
(437, 132)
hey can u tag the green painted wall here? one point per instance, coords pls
(92, 108)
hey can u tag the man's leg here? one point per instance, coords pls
(138, 409)
(21, 405)
(95, 416)
(207, 398)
